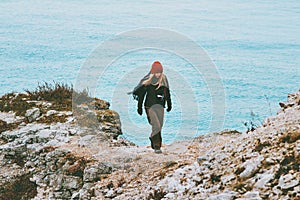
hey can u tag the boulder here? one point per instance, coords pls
(288, 181)
(32, 114)
(251, 167)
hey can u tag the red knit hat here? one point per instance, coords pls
(156, 67)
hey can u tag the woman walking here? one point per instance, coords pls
(155, 87)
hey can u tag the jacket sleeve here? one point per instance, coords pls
(142, 92)
(168, 98)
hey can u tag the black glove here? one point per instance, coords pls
(140, 111)
(169, 108)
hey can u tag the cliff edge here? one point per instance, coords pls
(48, 153)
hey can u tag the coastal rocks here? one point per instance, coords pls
(262, 164)
(36, 149)
(97, 115)
(109, 122)
(292, 100)
(32, 114)
(68, 160)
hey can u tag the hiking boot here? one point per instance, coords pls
(157, 151)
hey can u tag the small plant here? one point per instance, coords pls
(253, 123)
(58, 92)
(269, 104)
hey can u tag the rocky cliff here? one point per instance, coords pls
(48, 153)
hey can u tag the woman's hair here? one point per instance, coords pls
(160, 82)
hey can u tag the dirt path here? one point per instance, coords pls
(139, 167)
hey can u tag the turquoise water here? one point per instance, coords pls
(254, 45)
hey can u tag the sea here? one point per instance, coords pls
(253, 49)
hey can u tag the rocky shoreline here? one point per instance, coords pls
(49, 153)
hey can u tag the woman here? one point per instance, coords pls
(155, 87)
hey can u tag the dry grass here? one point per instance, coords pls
(60, 95)
(57, 92)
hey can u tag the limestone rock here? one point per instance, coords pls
(32, 114)
(263, 179)
(287, 181)
(251, 195)
(228, 195)
(251, 167)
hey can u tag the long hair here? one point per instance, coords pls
(162, 81)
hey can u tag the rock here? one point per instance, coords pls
(105, 168)
(100, 104)
(270, 161)
(75, 196)
(86, 140)
(251, 195)
(201, 159)
(72, 182)
(251, 167)
(32, 114)
(282, 105)
(110, 193)
(287, 181)
(51, 112)
(228, 178)
(263, 179)
(90, 175)
(228, 195)
(43, 136)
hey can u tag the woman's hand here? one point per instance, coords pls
(169, 108)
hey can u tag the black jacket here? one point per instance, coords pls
(154, 96)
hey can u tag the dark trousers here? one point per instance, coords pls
(155, 115)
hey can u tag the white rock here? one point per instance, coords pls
(270, 160)
(227, 195)
(287, 181)
(110, 194)
(51, 112)
(47, 104)
(45, 135)
(32, 114)
(10, 117)
(251, 166)
(169, 196)
(227, 178)
(85, 140)
(264, 178)
(72, 182)
(252, 195)
(90, 174)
